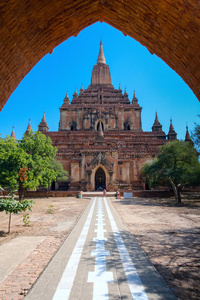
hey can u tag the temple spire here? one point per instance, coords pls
(43, 125)
(172, 135)
(44, 118)
(101, 71)
(187, 135)
(101, 58)
(66, 100)
(171, 127)
(134, 100)
(156, 118)
(156, 125)
(75, 95)
(29, 127)
(13, 133)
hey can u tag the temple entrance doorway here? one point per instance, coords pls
(100, 179)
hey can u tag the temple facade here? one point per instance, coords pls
(100, 140)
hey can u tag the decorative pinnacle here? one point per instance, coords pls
(101, 57)
(171, 127)
(75, 93)
(187, 135)
(156, 122)
(66, 99)
(13, 133)
(44, 118)
(156, 118)
(29, 125)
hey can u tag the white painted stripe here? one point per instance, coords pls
(67, 279)
(134, 282)
(100, 277)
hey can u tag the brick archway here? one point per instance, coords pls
(31, 29)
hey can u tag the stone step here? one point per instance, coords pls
(97, 194)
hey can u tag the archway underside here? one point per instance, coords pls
(31, 29)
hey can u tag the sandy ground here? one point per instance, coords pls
(49, 216)
(170, 236)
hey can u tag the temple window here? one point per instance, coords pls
(127, 126)
(102, 126)
(72, 125)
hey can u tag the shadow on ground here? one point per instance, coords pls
(170, 237)
(165, 202)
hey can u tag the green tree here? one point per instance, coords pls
(10, 206)
(196, 136)
(48, 176)
(24, 163)
(176, 165)
(61, 173)
(12, 160)
(55, 172)
(40, 148)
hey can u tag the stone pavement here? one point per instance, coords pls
(18, 282)
(100, 259)
(10, 258)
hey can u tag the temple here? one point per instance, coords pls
(100, 139)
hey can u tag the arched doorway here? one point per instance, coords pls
(100, 179)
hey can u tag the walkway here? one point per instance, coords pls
(100, 260)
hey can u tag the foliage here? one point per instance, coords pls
(42, 152)
(26, 219)
(196, 136)
(48, 176)
(49, 209)
(54, 172)
(176, 165)
(10, 205)
(12, 159)
(25, 163)
(57, 167)
(29, 163)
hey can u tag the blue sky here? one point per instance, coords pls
(158, 88)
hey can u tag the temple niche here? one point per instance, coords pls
(100, 139)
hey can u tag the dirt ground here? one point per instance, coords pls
(169, 234)
(49, 216)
